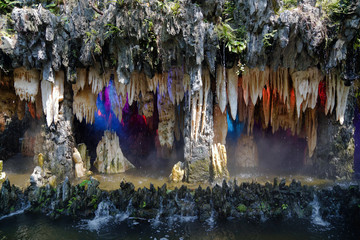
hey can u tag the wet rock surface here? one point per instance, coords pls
(249, 201)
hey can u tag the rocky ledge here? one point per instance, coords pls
(249, 201)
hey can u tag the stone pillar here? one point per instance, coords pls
(334, 153)
(198, 135)
(57, 141)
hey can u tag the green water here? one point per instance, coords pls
(37, 227)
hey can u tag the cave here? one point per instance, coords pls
(128, 109)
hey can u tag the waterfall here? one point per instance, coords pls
(23, 208)
(316, 217)
(103, 215)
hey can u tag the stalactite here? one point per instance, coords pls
(245, 85)
(162, 87)
(206, 86)
(342, 93)
(147, 104)
(199, 106)
(175, 86)
(38, 105)
(166, 126)
(221, 87)
(266, 106)
(306, 85)
(81, 80)
(52, 94)
(242, 107)
(26, 83)
(311, 130)
(95, 80)
(250, 120)
(232, 85)
(84, 105)
(330, 92)
(220, 126)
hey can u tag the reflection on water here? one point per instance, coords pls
(37, 227)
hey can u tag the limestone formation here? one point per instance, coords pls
(84, 153)
(26, 83)
(80, 171)
(166, 120)
(110, 158)
(2, 174)
(219, 161)
(52, 94)
(177, 172)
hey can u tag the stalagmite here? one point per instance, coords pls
(342, 92)
(166, 126)
(52, 94)
(110, 158)
(79, 165)
(219, 161)
(221, 87)
(84, 105)
(26, 83)
(81, 80)
(177, 172)
(232, 85)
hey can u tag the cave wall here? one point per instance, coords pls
(189, 52)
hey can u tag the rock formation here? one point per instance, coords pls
(80, 171)
(2, 174)
(110, 158)
(264, 68)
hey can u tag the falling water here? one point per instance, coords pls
(20, 211)
(316, 217)
(103, 215)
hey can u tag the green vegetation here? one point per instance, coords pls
(94, 201)
(73, 199)
(336, 9)
(6, 6)
(269, 39)
(284, 206)
(175, 8)
(85, 182)
(143, 204)
(234, 40)
(288, 4)
(241, 208)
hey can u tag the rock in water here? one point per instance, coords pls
(79, 165)
(36, 177)
(177, 173)
(110, 158)
(2, 174)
